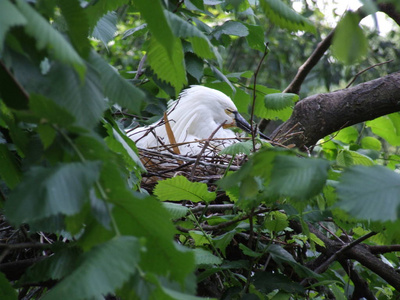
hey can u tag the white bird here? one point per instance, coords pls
(197, 113)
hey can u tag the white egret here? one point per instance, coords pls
(197, 113)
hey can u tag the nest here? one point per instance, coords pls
(208, 166)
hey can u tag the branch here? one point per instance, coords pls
(320, 115)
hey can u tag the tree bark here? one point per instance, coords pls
(319, 115)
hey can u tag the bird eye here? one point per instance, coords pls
(229, 111)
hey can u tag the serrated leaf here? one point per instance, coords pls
(284, 16)
(143, 216)
(9, 17)
(78, 25)
(238, 148)
(183, 29)
(298, 178)
(45, 192)
(116, 88)
(247, 251)
(48, 38)
(158, 25)
(176, 211)
(203, 257)
(99, 8)
(370, 193)
(168, 67)
(10, 172)
(179, 188)
(349, 42)
(348, 158)
(100, 271)
(279, 101)
(106, 28)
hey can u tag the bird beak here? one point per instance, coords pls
(244, 125)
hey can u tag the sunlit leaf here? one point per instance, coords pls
(370, 193)
(168, 67)
(176, 210)
(347, 158)
(349, 42)
(231, 28)
(180, 188)
(386, 127)
(370, 142)
(158, 25)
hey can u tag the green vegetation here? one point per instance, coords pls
(80, 217)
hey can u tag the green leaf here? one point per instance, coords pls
(10, 172)
(247, 251)
(48, 38)
(183, 29)
(158, 25)
(370, 193)
(298, 178)
(238, 148)
(168, 67)
(276, 221)
(255, 38)
(370, 142)
(203, 257)
(78, 26)
(97, 9)
(9, 17)
(349, 42)
(177, 211)
(45, 192)
(116, 88)
(222, 241)
(100, 271)
(347, 135)
(105, 28)
(347, 158)
(136, 31)
(268, 282)
(49, 112)
(285, 17)
(179, 188)
(7, 292)
(279, 101)
(85, 101)
(231, 28)
(386, 127)
(143, 216)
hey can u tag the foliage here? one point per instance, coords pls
(72, 71)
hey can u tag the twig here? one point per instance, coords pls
(252, 129)
(203, 149)
(140, 67)
(365, 70)
(331, 259)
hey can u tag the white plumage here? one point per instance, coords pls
(194, 116)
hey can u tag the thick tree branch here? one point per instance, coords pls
(319, 115)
